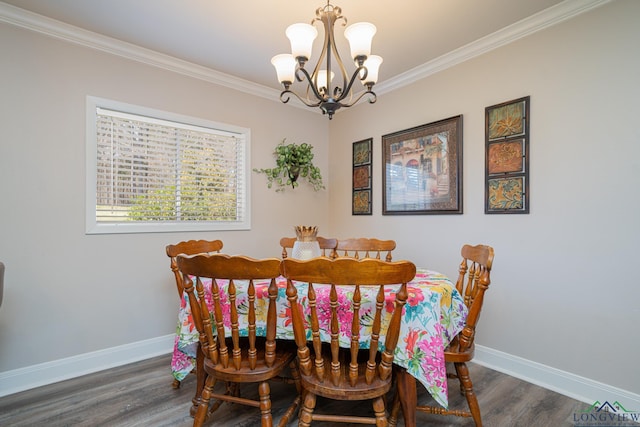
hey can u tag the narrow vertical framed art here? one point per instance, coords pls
(507, 157)
(361, 177)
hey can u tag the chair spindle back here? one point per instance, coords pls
(327, 246)
(224, 272)
(190, 247)
(473, 280)
(365, 248)
(357, 274)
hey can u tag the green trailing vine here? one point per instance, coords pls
(292, 162)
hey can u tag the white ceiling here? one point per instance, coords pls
(240, 37)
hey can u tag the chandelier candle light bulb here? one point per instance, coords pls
(322, 90)
(360, 36)
(322, 83)
(372, 64)
(285, 65)
(301, 37)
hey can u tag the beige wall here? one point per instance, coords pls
(67, 293)
(564, 291)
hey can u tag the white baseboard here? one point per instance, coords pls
(566, 383)
(30, 377)
(574, 386)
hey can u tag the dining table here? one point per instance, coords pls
(433, 315)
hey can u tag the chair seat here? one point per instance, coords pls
(343, 390)
(454, 356)
(245, 374)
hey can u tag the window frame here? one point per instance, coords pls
(92, 226)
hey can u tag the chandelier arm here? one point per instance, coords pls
(372, 100)
(311, 85)
(347, 90)
(330, 43)
(303, 100)
(313, 78)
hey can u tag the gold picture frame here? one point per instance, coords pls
(422, 169)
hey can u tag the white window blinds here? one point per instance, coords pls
(167, 175)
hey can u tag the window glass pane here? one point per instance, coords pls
(152, 173)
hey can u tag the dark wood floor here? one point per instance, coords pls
(140, 394)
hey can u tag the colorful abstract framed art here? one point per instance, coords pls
(507, 157)
(361, 177)
(422, 169)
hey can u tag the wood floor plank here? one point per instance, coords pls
(140, 394)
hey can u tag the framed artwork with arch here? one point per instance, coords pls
(422, 169)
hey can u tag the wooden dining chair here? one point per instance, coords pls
(365, 248)
(229, 358)
(361, 372)
(473, 280)
(191, 247)
(327, 246)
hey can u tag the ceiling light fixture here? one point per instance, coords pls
(322, 89)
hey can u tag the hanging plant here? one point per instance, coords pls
(292, 162)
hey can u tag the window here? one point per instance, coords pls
(153, 171)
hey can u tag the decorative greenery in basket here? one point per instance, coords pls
(293, 161)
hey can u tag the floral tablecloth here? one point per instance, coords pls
(433, 315)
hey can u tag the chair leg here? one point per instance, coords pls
(307, 410)
(295, 375)
(229, 390)
(233, 389)
(395, 408)
(200, 377)
(379, 411)
(406, 398)
(265, 404)
(203, 404)
(467, 387)
(290, 412)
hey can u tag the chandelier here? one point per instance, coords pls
(323, 89)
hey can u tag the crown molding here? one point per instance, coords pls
(532, 24)
(53, 28)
